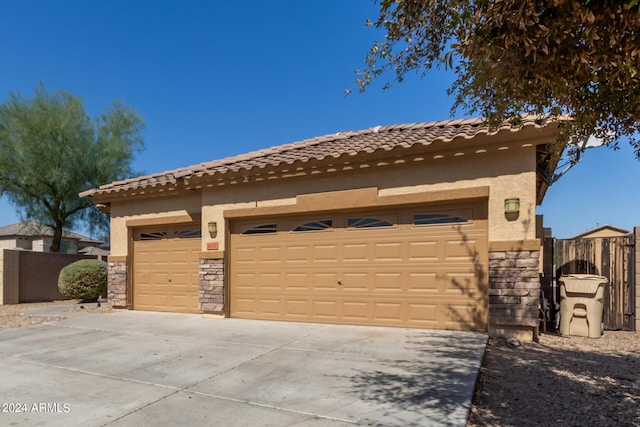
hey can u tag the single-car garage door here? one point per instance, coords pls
(414, 267)
(165, 268)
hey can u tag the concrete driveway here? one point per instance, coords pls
(134, 368)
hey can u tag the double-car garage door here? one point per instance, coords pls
(415, 267)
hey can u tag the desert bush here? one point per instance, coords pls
(86, 279)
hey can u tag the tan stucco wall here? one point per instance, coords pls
(508, 170)
(507, 173)
(148, 209)
(510, 174)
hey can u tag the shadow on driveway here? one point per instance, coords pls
(437, 381)
(165, 369)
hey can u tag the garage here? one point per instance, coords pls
(165, 268)
(405, 266)
(425, 225)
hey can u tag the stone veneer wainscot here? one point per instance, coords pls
(117, 284)
(211, 286)
(514, 291)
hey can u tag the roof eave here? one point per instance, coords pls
(285, 155)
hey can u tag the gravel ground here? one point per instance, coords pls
(14, 315)
(563, 381)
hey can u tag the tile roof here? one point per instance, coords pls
(36, 229)
(336, 145)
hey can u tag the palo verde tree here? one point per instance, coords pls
(51, 150)
(579, 58)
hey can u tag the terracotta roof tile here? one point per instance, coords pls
(333, 145)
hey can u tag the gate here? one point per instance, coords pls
(612, 257)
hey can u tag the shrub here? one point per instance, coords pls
(86, 279)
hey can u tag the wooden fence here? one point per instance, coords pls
(612, 257)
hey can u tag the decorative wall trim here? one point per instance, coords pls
(359, 198)
(515, 245)
(211, 255)
(161, 220)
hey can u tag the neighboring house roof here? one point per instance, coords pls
(352, 143)
(602, 231)
(92, 250)
(33, 229)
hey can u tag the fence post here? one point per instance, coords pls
(636, 250)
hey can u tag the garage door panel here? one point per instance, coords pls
(269, 255)
(296, 254)
(325, 253)
(299, 308)
(296, 281)
(422, 282)
(324, 281)
(181, 264)
(145, 299)
(246, 307)
(359, 282)
(460, 284)
(387, 252)
(160, 257)
(144, 257)
(155, 299)
(461, 250)
(461, 316)
(246, 281)
(175, 253)
(422, 313)
(246, 255)
(388, 312)
(355, 252)
(399, 275)
(178, 303)
(355, 311)
(423, 252)
(270, 281)
(390, 282)
(271, 306)
(326, 310)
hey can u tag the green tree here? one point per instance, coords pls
(558, 57)
(51, 150)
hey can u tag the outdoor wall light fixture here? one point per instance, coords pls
(511, 205)
(213, 229)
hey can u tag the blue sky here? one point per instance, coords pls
(214, 79)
